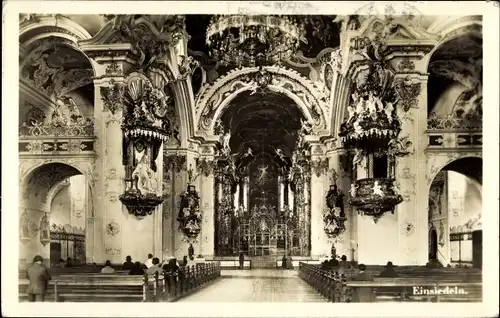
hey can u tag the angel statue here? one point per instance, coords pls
(226, 149)
(353, 190)
(145, 176)
(389, 108)
(377, 189)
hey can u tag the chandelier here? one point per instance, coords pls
(246, 40)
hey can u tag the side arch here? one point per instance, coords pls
(437, 161)
(212, 100)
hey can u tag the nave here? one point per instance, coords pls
(257, 285)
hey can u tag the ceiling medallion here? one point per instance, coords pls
(245, 40)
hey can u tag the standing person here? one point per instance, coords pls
(242, 260)
(283, 262)
(149, 261)
(39, 277)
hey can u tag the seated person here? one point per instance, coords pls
(344, 263)
(191, 261)
(155, 268)
(107, 269)
(362, 294)
(171, 266)
(137, 269)
(128, 265)
(362, 275)
(389, 271)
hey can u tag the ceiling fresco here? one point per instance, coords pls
(458, 60)
(263, 123)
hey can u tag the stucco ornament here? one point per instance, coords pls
(29, 227)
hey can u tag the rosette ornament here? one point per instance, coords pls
(145, 126)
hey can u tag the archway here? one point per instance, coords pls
(53, 210)
(261, 219)
(455, 208)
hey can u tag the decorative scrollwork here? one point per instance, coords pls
(205, 167)
(319, 166)
(407, 92)
(112, 96)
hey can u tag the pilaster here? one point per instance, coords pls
(319, 167)
(412, 213)
(207, 198)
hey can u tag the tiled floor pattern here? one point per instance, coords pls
(257, 285)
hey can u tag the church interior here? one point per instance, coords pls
(268, 139)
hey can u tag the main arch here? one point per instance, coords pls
(213, 100)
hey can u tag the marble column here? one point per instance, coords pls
(281, 191)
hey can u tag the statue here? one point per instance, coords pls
(389, 108)
(353, 190)
(371, 104)
(147, 182)
(377, 189)
(226, 149)
(358, 157)
(190, 216)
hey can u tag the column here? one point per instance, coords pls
(109, 213)
(413, 244)
(290, 197)
(207, 183)
(344, 241)
(236, 197)
(281, 188)
(307, 212)
(245, 193)
(319, 240)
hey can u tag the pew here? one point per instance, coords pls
(120, 287)
(337, 287)
(295, 264)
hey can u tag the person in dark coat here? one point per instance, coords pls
(137, 269)
(128, 265)
(283, 262)
(363, 294)
(39, 277)
(242, 260)
(389, 271)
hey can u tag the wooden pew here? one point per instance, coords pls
(119, 287)
(295, 264)
(338, 287)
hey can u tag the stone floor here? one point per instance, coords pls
(257, 285)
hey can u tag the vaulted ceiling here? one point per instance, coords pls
(263, 123)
